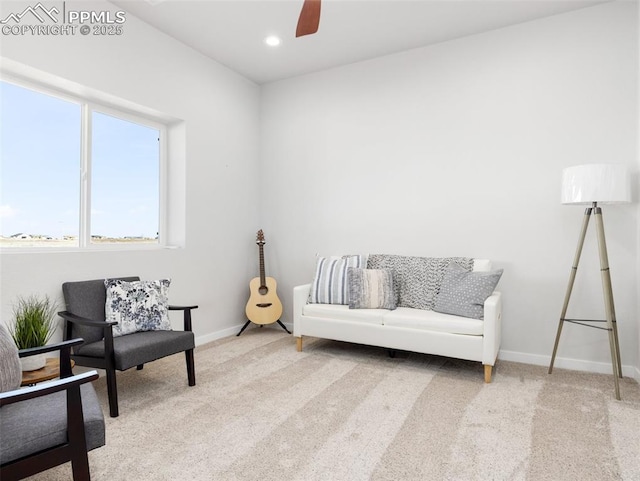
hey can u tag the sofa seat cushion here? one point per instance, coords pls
(343, 313)
(432, 321)
(36, 424)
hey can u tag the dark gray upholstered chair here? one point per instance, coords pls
(85, 317)
(48, 424)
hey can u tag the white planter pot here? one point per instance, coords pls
(33, 363)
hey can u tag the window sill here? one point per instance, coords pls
(99, 248)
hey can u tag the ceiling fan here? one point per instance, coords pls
(309, 18)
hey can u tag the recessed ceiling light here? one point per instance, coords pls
(272, 41)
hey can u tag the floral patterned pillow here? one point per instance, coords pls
(137, 306)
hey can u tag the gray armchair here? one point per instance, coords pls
(48, 424)
(85, 317)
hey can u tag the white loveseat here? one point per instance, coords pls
(416, 330)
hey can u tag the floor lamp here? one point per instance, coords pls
(595, 184)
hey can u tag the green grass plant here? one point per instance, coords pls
(34, 321)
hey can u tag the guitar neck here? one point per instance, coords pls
(263, 281)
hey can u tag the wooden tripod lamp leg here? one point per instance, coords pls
(572, 278)
(608, 302)
(607, 292)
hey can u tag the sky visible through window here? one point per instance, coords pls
(40, 176)
(125, 178)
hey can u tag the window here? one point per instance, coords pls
(76, 174)
(125, 180)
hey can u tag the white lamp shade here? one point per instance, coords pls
(602, 183)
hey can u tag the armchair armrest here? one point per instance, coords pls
(187, 314)
(49, 348)
(65, 354)
(300, 297)
(107, 326)
(83, 321)
(23, 394)
(492, 328)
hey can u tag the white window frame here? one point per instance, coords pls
(87, 107)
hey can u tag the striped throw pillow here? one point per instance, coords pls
(330, 280)
(371, 289)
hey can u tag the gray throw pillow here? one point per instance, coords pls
(463, 293)
(10, 368)
(370, 289)
(416, 280)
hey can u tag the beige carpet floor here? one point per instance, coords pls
(343, 412)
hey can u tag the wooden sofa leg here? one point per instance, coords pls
(299, 344)
(487, 373)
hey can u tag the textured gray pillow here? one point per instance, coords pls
(370, 289)
(416, 280)
(463, 293)
(10, 369)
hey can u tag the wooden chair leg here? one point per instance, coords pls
(191, 370)
(81, 473)
(77, 438)
(487, 373)
(299, 344)
(112, 391)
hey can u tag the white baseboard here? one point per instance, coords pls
(566, 363)
(213, 336)
(231, 331)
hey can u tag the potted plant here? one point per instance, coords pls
(34, 324)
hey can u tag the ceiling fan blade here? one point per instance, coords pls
(309, 18)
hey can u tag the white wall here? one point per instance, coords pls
(220, 110)
(457, 149)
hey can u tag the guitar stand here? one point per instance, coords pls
(249, 322)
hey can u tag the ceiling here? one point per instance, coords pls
(232, 32)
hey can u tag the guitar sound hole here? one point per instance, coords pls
(264, 304)
(263, 290)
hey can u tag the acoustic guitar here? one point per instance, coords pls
(264, 306)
